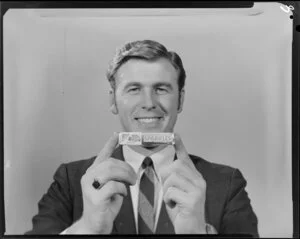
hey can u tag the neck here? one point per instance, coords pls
(147, 151)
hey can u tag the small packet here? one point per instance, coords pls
(157, 138)
(130, 138)
(139, 138)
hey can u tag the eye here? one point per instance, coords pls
(133, 90)
(161, 90)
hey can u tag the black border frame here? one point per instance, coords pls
(5, 5)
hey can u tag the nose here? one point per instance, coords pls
(148, 101)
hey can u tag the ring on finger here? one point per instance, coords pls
(96, 184)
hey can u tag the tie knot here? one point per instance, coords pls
(147, 162)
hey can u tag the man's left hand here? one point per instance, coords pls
(184, 191)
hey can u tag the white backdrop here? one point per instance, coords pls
(237, 109)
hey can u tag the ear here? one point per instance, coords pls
(112, 102)
(181, 100)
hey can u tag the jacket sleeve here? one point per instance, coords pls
(55, 207)
(239, 217)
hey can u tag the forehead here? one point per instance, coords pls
(143, 71)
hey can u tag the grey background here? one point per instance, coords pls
(237, 109)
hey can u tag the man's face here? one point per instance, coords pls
(146, 96)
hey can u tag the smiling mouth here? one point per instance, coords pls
(148, 119)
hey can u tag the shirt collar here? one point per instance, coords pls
(160, 158)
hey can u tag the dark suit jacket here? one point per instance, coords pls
(227, 204)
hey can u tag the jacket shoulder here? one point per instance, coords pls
(79, 166)
(212, 171)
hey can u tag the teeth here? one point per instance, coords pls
(148, 120)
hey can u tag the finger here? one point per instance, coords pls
(179, 181)
(112, 188)
(175, 196)
(108, 148)
(167, 170)
(179, 147)
(108, 191)
(181, 151)
(180, 167)
(113, 169)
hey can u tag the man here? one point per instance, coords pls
(153, 189)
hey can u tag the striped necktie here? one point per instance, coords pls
(146, 212)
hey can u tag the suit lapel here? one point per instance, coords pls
(124, 222)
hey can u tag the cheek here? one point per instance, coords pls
(126, 106)
(126, 102)
(122, 102)
(169, 104)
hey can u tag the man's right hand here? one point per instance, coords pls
(101, 206)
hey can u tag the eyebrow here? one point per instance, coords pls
(168, 85)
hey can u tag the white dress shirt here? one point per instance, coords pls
(160, 159)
